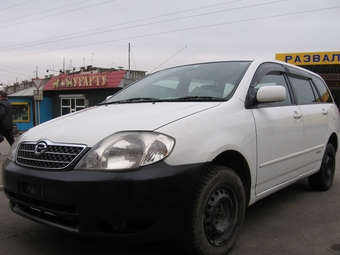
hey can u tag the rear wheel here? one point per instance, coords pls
(323, 179)
(218, 213)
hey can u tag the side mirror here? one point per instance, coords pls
(268, 94)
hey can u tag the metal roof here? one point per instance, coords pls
(23, 93)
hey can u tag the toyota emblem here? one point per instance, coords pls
(40, 148)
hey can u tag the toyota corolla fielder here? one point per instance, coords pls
(179, 154)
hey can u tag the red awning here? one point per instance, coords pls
(100, 80)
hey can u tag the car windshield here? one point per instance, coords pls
(198, 82)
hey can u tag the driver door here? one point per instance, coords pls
(279, 132)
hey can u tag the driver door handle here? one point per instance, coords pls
(297, 115)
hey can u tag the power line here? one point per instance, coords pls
(34, 14)
(11, 72)
(77, 9)
(72, 36)
(141, 25)
(179, 30)
(16, 5)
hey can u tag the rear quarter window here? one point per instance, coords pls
(324, 94)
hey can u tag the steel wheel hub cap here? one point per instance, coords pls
(220, 217)
(329, 166)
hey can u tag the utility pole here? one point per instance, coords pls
(129, 48)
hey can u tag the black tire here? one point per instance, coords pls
(218, 214)
(323, 179)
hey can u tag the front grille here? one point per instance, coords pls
(48, 155)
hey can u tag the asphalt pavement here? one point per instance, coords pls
(293, 221)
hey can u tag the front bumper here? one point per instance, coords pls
(147, 204)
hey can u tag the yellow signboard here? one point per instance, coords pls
(310, 58)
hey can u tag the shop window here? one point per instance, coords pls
(21, 112)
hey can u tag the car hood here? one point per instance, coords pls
(91, 125)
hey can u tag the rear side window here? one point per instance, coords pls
(304, 92)
(324, 95)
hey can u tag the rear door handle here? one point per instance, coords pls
(324, 112)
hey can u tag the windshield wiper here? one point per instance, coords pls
(134, 99)
(198, 98)
(151, 99)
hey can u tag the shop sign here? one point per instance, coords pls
(80, 81)
(330, 76)
(333, 84)
(310, 58)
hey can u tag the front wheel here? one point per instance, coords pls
(323, 179)
(218, 213)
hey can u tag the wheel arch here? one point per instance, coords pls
(333, 139)
(238, 163)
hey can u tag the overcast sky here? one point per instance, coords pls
(47, 34)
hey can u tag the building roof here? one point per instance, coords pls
(93, 80)
(23, 93)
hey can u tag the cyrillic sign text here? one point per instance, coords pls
(311, 58)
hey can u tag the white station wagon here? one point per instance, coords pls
(179, 154)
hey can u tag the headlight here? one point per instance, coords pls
(14, 148)
(127, 150)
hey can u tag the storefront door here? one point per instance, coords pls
(71, 103)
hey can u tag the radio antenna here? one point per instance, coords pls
(168, 59)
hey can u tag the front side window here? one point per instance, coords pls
(274, 78)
